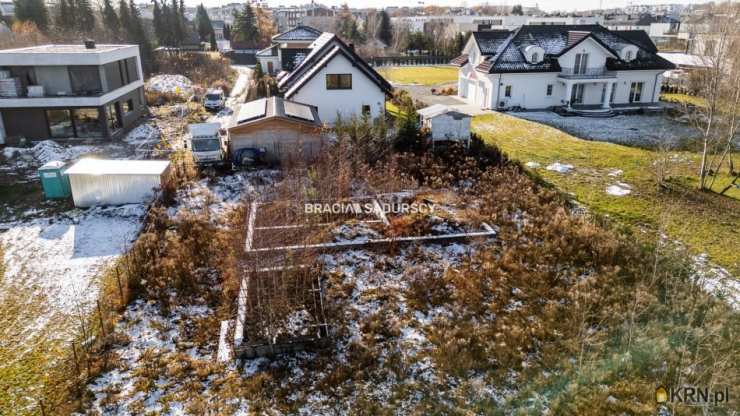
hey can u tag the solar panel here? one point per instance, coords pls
(298, 111)
(252, 110)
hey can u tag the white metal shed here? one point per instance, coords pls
(115, 182)
(445, 123)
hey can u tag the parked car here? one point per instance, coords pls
(214, 100)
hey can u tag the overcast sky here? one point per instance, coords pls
(546, 5)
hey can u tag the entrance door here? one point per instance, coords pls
(576, 95)
(270, 68)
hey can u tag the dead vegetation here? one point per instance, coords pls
(205, 70)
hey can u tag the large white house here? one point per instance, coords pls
(583, 67)
(326, 73)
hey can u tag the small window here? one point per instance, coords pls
(535, 58)
(549, 90)
(128, 106)
(507, 92)
(628, 56)
(366, 110)
(338, 81)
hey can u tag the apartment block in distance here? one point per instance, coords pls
(58, 92)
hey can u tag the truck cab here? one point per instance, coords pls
(214, 100)
(205, 142)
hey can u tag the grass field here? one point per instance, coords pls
(704, 221)
(422, 75)
(682, 99)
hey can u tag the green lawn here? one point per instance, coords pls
(705, 222)
(682, 99)
(422, 75)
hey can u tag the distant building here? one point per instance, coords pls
(70, 91)
(575, 67)
(7, 8)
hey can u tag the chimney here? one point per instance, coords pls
(575, 36)
(351, 47)
(89, 44)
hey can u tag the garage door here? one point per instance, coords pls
(472, 92)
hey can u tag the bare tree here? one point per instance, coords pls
(718, 84)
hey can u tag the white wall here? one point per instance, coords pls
(596, 55)
(348, 103)
(650, 92)
(92, 190)
(530, 90)
(445, 127)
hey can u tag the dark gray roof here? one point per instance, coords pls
(505, 54)
(639, 38)
(323, 50)
(298, 33)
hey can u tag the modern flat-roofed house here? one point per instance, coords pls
(287, 49)
(70, 91)
(576, 67)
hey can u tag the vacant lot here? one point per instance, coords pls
(422, 75)
(597, 172)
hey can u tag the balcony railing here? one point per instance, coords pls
(585, 73)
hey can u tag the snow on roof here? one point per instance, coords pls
(203, 129)
(298, 33)
(684, 59)
(99, 167)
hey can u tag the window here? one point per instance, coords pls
(338, 81)
(60, 123)
(113, 117)
(85, 80)
(549, 90)
(628, 56)
(636, 92)
(535, 58)
(87, 123)
(581, 63)
(507, 91)
(614, 92)
(366, 110)
(128, 106)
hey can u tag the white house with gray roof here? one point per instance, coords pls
(584, 68)
(326, 73)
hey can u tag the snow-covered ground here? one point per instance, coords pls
(59, 258)
(636, 130)
(170, 84)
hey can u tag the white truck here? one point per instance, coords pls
(206, 143)
(214, 100)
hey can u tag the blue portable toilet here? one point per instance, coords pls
(54, 181)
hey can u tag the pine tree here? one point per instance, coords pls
(245, 26)
(212, 41)
(347, 26)
(203, 24)
(33, 11)
(64, 19)
(385, 30)
(83, 16)
(124, 16)
(517, 10)
(138, 36)
(175, 24)
(110, 18)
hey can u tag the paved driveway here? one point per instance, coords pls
(424, 93)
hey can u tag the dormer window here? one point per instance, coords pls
(535, 58)
(628, 56)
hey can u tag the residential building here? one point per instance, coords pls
(570, 66)
(7, 9)
(218, 29)
(70, 91)
(323, 71)
(478, 23)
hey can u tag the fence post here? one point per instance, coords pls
(120, 287)
(100, 317)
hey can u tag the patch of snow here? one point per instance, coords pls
(46, 151)
(559, 167)
(619, 189)
(144, 133)
(615, 172)
(717, 281)
(532, 165)
(171, 84)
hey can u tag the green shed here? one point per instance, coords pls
(54, 181)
